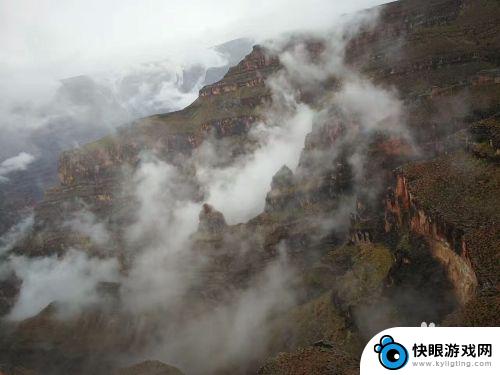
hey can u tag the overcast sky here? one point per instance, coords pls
(69, 37)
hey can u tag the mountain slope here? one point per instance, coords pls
(347, 234)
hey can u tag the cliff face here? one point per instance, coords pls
(444, 71)
(447, 243)
(449, 202)
(434, 54)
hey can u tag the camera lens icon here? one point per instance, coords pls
(392, 356)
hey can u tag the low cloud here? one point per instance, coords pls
(15, 234)
(16, 163)
(86, 223)
(232, 333)
(69, 281)
(159, 237)
(239, 190)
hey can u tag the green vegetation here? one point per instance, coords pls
(351, 278)
(482, 311)
(459, 186)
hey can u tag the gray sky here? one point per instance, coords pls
(63, 38)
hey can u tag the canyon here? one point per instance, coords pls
(381, 144)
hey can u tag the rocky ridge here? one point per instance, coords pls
(414, 230)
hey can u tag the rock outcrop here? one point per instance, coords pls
(448, 49)
(448, 202)
(282, 191)
(447, 243)
(211, 221)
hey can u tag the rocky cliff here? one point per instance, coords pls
(410, 235)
